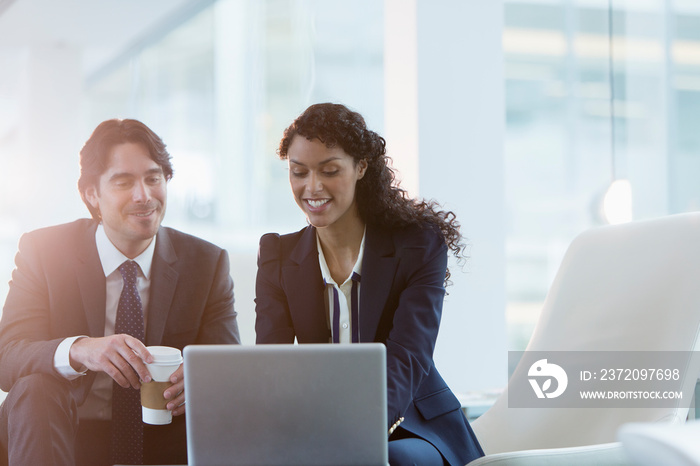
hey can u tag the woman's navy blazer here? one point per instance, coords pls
(402, 290)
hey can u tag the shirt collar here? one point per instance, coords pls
(325, 271)
(111, 257)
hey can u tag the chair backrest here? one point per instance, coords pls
(630, 287)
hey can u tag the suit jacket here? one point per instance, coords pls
(58, 290)
(401, 297)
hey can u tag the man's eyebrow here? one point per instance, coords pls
(149, 172)
(322, 162)
(155, 171)
(121, 175)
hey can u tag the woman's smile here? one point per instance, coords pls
(317, 204)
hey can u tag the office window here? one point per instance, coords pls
(221, 87)
(595, 91)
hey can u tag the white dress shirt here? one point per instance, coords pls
(344, 291)
(98, 404)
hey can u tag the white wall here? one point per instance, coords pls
(444, 92)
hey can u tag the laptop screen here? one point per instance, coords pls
(313, 404)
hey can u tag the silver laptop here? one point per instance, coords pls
(313, 404)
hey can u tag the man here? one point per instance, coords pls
(85, 300)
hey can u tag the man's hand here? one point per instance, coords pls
(175, 393)
(120, 356)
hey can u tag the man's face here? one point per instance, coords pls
(131, 196)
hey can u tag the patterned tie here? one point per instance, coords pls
(127, 428)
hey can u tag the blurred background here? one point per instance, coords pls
(532, 120)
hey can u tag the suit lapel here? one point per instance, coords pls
(91, 280)
(379, 266)
(163, 283)
(303, 280)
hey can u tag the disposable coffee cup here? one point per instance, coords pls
(166, 360)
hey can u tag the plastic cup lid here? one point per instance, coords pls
(165, 354)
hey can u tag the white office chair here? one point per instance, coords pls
(654, 444)
(631, 287)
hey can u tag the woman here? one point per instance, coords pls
(370, 267)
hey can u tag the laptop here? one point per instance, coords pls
(311, 404)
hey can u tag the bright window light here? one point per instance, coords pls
(617, 203)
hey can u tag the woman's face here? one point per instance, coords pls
(323, 182)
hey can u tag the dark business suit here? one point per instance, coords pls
(400, 305)
(58, 290)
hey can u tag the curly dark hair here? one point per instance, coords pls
(380, 200)
(94, 156)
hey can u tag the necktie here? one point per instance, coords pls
(127, 428)
(354, 311)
